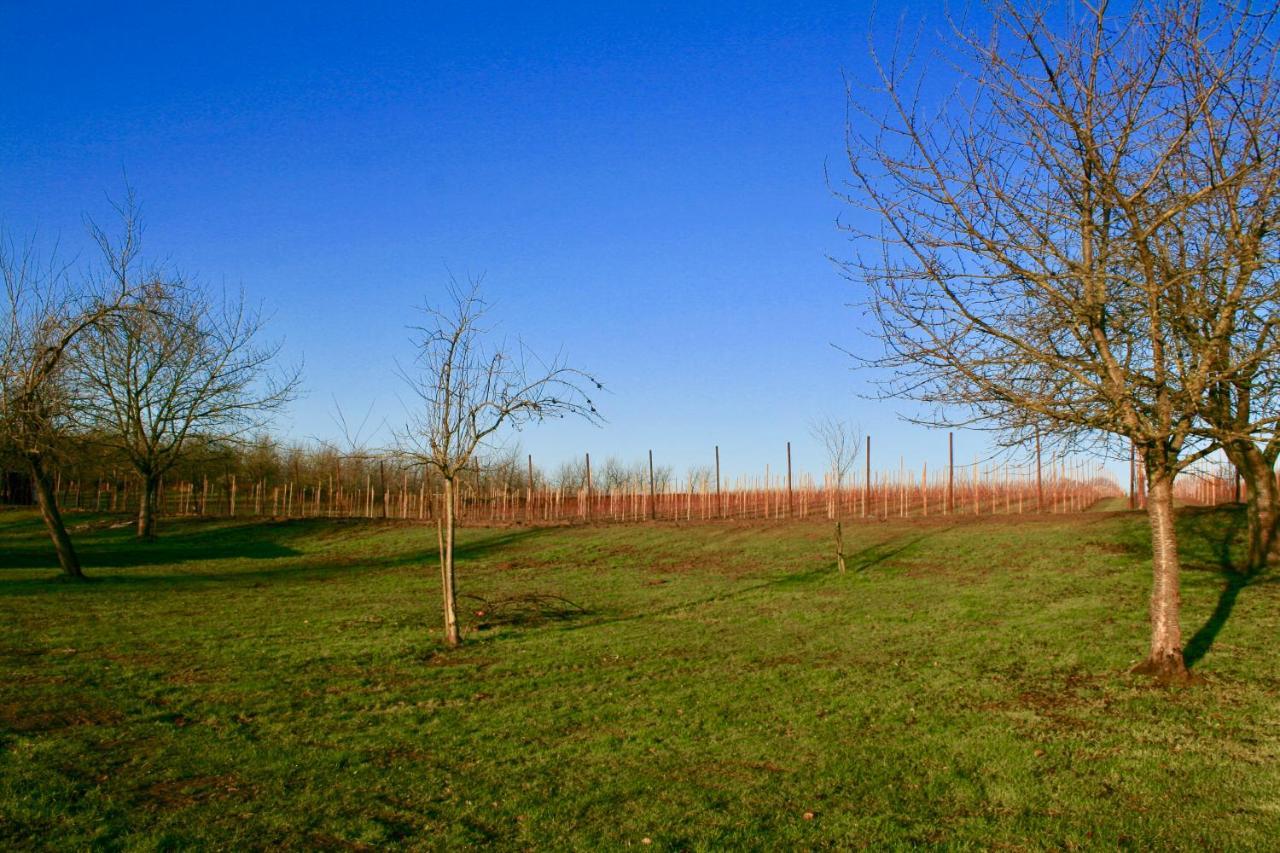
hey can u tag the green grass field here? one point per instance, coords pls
(672, 686)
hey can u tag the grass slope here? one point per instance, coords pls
(700, 686)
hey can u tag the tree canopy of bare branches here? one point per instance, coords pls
(468, 388)
(1070, 238)
(841, 441)
(182, 366)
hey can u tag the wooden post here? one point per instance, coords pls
(719, 499)
(951, 473)
(866, 485)
(840, 547)
(382, 485)
(653, 498)
(924, 489)
(791, 509)
(587, 509)
(528, 506)
(1133, 478)
(1039, 476)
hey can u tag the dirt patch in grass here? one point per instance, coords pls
(182, 793)
(1061, 705)
(189, 677)
(19, 717)
(137, 659)
(962, 575)
(21, 652)
(741, 771)
(1120, 548)
(398, 756)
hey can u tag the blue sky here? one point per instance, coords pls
(642, 187)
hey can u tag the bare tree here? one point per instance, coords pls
(468, 390)
(44, 312)
(1244, 410)
(1026, 272)
(182, 368)
(841, 441)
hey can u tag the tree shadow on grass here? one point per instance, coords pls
(117, 548)
(111, 553)
(859, 561)
(1200, 643)
(1210, 539)
(1217, 532)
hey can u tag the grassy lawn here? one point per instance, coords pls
(680, 686)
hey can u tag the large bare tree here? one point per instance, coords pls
(184, 366)
(469, 387)
(46, 308)
(1020, 235)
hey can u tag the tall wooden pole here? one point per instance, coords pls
(1133, 478)
(1142, 483)
(382, 485)
(866, 484)
(528, 507)
(719, 500)
(653, 498)
(951, 473)
(1039, 477)
(587, 510)
(790, 494)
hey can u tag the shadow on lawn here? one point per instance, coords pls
(872, 555)
(1209, 539)
(1215, 530)
(115, 549)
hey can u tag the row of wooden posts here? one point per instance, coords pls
(973, 489)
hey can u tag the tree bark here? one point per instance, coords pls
(147, 507)
(1262, 501)
(452, 637)
(1166, 660)
(48, 502)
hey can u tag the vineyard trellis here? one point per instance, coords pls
(386, 487)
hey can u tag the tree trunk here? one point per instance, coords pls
(1262, 501)
(48, 502)
(1165, 660)
(147, 507)
(452, 637)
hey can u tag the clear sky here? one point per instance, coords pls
(642, 187)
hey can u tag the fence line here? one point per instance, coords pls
(994, 488)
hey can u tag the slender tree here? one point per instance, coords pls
(841, 442)
(1022, 257)
(468, 389)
